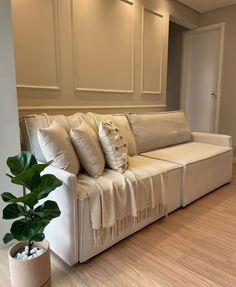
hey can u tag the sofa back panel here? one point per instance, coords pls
(121, 122)
(60, 119)
(76, 119)
(29, 126)
(156, 130)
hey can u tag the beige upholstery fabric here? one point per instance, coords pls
(188, 152)
(29, 126)
(156, 130)
(148, 172)
(57, 146)
(205, 167)
(88, 149)
(209, 138)
(121, 122)
(114, 146)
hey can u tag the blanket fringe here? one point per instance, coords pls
(104, 234)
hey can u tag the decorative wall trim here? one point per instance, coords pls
(38, 87)
(55, 16)
(104, 91)
(74, 47)
(145, 92)
(54, 109)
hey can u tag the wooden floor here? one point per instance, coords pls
(194, 246)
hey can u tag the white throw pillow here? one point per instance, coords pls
(88, 149)
(56, 145)
(114, 146)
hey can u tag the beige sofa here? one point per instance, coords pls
(165, 157)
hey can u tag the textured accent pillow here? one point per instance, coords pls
(114, 146)
(56, 145)
(88, 149)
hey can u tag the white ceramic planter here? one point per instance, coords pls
(35, 272)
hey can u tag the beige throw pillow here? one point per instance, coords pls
(88, 149)
(114, 146)
(56, 145)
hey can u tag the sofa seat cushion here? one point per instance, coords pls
(205, 167)
(114, 196)
(188, 153)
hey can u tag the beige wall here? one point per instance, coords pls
(10, 143)
(227, 122)
(93, 55)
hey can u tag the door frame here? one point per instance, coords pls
(184, 76)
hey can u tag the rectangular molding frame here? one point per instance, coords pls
(143, 92)
(55, 15)
(79, 89)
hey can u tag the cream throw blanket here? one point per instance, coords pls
(118, 201)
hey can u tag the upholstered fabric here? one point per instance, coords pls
(29, 126)
(205, 167)
(88, 149)
(121, 122)
(114, 146)
(188, 152)
(216, 139)
(56, 145)
(118, 198)
(156, 130)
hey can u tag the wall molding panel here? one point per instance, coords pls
(94, 55)
(78, 87)
(56, 42)
(159, 67)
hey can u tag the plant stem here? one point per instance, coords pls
(30, 244)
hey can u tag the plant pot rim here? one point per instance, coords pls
(21, 244)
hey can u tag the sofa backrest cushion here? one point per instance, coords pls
(157, 130)
(29, 126)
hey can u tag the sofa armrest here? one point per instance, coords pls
(62, 232)
(210, 138)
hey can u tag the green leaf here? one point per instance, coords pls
(29, 199)
(30, 178)
(48, 183)
(26, 229)
(12, 211)
(7, 238)
(21, 162)
(37, 237)
(7, 196)
(48, 210)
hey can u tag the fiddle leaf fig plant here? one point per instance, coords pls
(32, 217)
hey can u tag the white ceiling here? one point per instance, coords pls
(207, 5)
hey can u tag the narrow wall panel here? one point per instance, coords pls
(152, 43)
(103, 45)
(35, 40)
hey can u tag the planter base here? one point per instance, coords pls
(35, 272)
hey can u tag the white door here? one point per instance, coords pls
(201, 76)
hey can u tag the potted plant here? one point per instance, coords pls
(29, 259)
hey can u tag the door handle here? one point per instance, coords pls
(213, 94)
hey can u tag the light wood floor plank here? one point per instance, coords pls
(193, 247)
